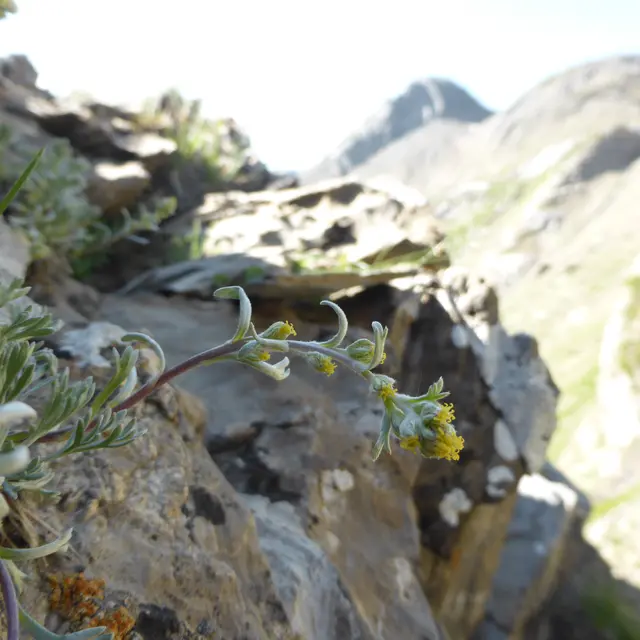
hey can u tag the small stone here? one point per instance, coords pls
(459, 336)
(114, 187)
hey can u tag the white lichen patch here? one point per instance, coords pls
(335, 482)
(85, 345)
(452, 505)
(405, 579)
(499, 479)
(504, 442)
(342, 479)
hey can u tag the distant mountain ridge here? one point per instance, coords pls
(423, 102)
(542, 200)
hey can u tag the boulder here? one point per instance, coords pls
(303, 242)
(114, 187)
(306, 442)
(531, 560)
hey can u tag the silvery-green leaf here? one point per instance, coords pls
(343, 325)
(244, 318)
(38, 632)
(37, 552)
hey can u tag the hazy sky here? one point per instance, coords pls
(300, 75)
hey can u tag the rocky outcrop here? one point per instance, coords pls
(533, 558)
(299, 243)
(303, 446)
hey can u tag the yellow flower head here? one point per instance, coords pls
(321, 363)
(410, 443)
(279, 331)
(384, 387)
(446, 414)
(446, 444)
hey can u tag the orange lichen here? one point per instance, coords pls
(78, 600)
(120, 622)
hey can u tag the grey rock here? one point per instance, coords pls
(14, 254)
(114, 187)
(14, 260)
(520, 384)
(522, 387)
(306, 442)
(532, 555)
(306, 581)
(19, 70)
(615, 151)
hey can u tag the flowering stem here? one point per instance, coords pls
(204, 357)
(12, 613)
(356, 367)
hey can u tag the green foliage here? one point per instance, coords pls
(91, 419)
(315, 262)
(51, 208)
(630, 348)
(7, 7)
(26, 367)
(189, 246)
(609, 614)
(200, 140)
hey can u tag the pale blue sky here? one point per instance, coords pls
(300, 75)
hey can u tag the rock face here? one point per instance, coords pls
(154, 517)
(306, 444)
(14, 254)
(344, 548)
(422, 103)
(14, 260)
(532, 557)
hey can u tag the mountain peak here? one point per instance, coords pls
(423, 101)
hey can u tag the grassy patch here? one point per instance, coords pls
(318, 262)
(607, 612)
(602, 508)
(201, 141)
(630, 347)
(577, 399)
(503, 197)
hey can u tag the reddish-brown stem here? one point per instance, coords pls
(147, 389)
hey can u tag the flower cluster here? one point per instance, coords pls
(421, 424)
